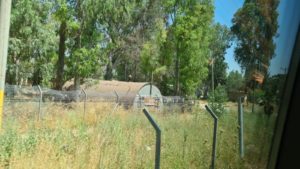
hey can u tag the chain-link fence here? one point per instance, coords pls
(36, 101)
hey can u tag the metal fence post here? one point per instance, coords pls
(40, 102)
(117, 96)
(84, 105)
(214, 146)
(139, 101)
(241, 127)
(117, 102)
(158, 138)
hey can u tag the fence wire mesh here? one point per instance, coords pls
(36, 101)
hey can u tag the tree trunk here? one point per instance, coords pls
(177, 74)
(77, 76)
(78, 44)
(36, 79)
(135, 71)
(77, 88)
(253, 101)
(77, 83)
(108, 74)
(151, 83)
(16, 81)
(125, 72)
(14, 77)
(61, 56)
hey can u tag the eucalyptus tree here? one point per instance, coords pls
(32, 43)
(80, 52)
(255, 26)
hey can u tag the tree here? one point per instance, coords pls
(32, 43)
(254, 26)
(188, 43)
(165, 42)
(220, 42)
(129, 25)
(235, 81)
(84, 46)
(151, 53)
(121, 24)
(234, 85)
(273, 87)
(63, 14)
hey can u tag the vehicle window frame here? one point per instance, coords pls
(285, 140)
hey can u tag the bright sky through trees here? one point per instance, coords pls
(224, 11)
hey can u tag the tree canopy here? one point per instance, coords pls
(169, 43)
(219, 43)
(255, 26)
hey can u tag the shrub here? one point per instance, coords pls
(217, 100)
(257, 96)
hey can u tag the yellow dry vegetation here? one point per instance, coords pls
(109, 136)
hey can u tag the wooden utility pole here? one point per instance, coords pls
(5, 7)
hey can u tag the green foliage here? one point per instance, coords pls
(217, 100)
(127, 26)
(235, 85)
(255, 26)
(167, 43)
(85, 62)
(234, 82)
(27, 143)
(7, 143)
(273, 88)
(151, 53)
(32, 42)
(219, 43)
(257, 96)
(187, 44)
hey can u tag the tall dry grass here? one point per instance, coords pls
(107, 136)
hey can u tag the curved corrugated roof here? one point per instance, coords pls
(126, 91)
(118, 86)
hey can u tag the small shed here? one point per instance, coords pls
(136, 94)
